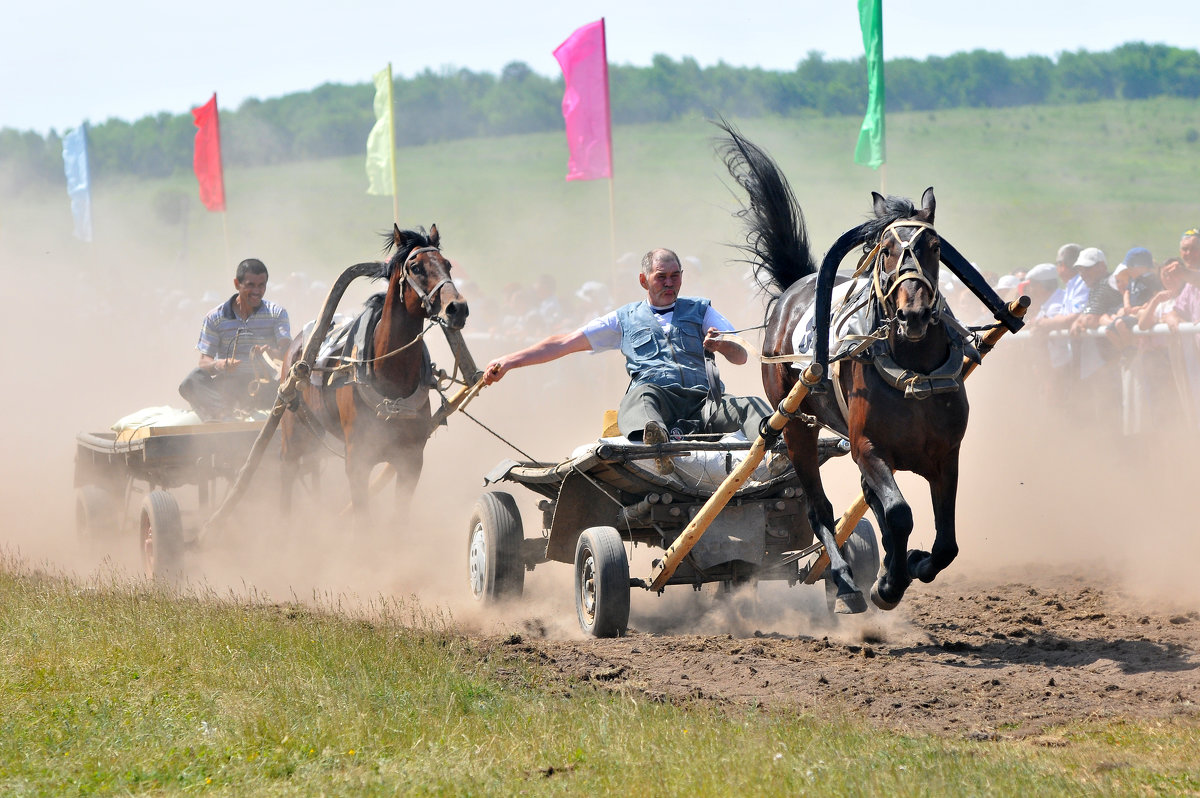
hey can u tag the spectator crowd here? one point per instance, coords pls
(1114, 343)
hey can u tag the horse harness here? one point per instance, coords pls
(363, 341)
(406, 276)
(357, 346)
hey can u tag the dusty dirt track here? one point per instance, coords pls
(967, 656)
(1054, 611)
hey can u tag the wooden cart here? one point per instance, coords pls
(609, 495)
(131, 482)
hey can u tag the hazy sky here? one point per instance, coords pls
(68, 61)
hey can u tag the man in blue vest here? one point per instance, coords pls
(665, 339)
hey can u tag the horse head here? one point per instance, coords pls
(421, 274)
(905, 275)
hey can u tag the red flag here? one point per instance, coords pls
(584, 62)
(207, 157)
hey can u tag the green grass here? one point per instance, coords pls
(111, 688)
(1013, 184)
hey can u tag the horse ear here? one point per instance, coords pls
(397, 236)
(879, 204)
(434, 238)
(928, 203)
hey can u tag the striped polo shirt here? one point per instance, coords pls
(224, 334)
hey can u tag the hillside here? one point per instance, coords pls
(1012, 185)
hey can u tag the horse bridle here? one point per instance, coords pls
(426, 298)
(907, 266)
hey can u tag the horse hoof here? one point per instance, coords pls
(850, 604)
(879, 601)
(918, 565)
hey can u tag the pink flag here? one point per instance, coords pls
(584, 63)
(207, 157)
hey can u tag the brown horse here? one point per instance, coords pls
(897, 396)
(372, 379)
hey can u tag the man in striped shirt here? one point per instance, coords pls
(232, 333)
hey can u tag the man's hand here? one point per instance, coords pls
(711, 342)
(494, 371)
(732, 350)
(225, 364)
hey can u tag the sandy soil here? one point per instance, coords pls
(1008, 655)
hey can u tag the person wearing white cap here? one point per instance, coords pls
(1098, 397)
(1061, 308)
(1007, 286)
(1103, 299)
(1041, 282)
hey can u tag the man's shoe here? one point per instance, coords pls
(778, 464)
(655, 434)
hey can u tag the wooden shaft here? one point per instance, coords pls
(850, 518)
(457, 402)
(462, 356)
(665, 569)
(289, 388)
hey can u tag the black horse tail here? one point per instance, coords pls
(776, 237)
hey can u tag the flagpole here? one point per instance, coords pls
(612, 173)
(225, 230)
(392, 139)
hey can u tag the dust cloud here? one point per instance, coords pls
(96, 334)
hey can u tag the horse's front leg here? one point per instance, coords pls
(360, 459)
(895, 526)
(801, 442)
(358, 475)
(289, 465)
(408, 464)
(943, 490)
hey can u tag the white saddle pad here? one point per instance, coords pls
(849, 318)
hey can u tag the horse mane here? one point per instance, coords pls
(413, 239)
(894, 209)
(374, 303)
(777, 242)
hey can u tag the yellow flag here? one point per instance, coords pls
(381, 143)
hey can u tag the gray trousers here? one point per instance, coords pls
(214, 396)
(645, 402)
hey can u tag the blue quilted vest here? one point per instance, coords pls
(655, 356)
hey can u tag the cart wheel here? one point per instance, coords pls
(861, 551)
(161, 536)
(494, 549)
(95, 514)
(602, 582)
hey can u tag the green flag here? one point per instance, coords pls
(873, 134)
(381, 143)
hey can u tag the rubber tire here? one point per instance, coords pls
(602, 583)
(861, 551)
(95, 514)
(496, 570)
(160, 531)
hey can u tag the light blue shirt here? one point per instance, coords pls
(1075, 295)
(604, 333)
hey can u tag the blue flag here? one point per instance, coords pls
(79, 187)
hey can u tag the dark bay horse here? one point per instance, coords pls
(372, 379)
(897, 396)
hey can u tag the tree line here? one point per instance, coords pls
(333, 120)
